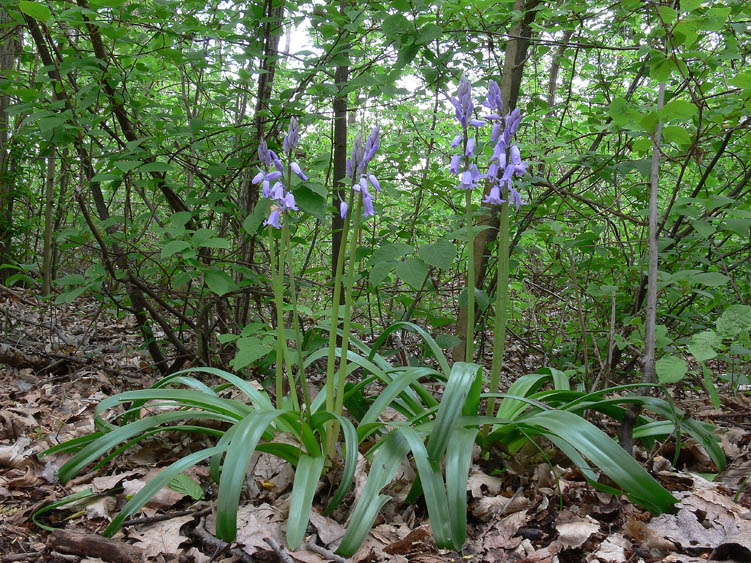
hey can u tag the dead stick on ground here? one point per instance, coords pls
(279, 550)
(325, 552)
(163, 517)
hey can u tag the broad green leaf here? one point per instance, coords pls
(156, 167)
(676, 134)
(711, 279)
(679, 109)
(36, 10)
(184, 484)
(428, 33)
(704, 228)
(395, 25)
(690, 5)
(667, 14)
(703, 345)
(219, 282)
(742, 80)
(440, 254)
(127, 165)
(311, 202)
(380, 272)
(412, 271)
(250, 349)
(173, 247)
(216, 242)
(258, 215)
(671, 369)
(389, 251)
(735, 320)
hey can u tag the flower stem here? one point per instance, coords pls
(280, 336)
(298, 332)
(501, 307)
(331, 364)
(281, 330)
(470, 344)
(346, 327)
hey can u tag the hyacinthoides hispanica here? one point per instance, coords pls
(505, 163)
(283, 202)
(362, 199)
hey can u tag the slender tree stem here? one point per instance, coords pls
(470, 346)
(501, 308)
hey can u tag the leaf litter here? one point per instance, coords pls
(520, 510)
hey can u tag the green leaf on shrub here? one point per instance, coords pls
(671, 369)
(412, 271)
(36, 10)
(379, 272)
(182, 483)
(250, 349)
(258, 215)
(219, 282)
(447, 340)
(173, 247)
(712, 279)
(735, 320)
(440, 254)
(703, 345)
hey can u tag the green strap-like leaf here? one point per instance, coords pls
(307, 475)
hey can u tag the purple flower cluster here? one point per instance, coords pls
(357, 171)
(506, 161)
(277, 192)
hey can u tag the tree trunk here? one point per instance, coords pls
(9, 48)
(49, 200)
(340, 154)
(513, 69)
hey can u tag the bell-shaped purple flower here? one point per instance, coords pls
(289, 202)
(343, 207)
(470, 150)
(457, 141)
(516, 198)
(258, 177)
(455, 162)
(277, 191)
(275, 160)
(273, 219)
(367, 206)
(357, 162)
(374, 182)
(296, 169)
(494, 197)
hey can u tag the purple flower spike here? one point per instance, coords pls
(273, 219)
(374, 182)
(263, 153)
(372, 144)
(296, 169)
(343, 207)
(293, 136)
(494, 197)
(494, 101)
(463, 102)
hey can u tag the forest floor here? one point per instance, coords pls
(58, 362)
